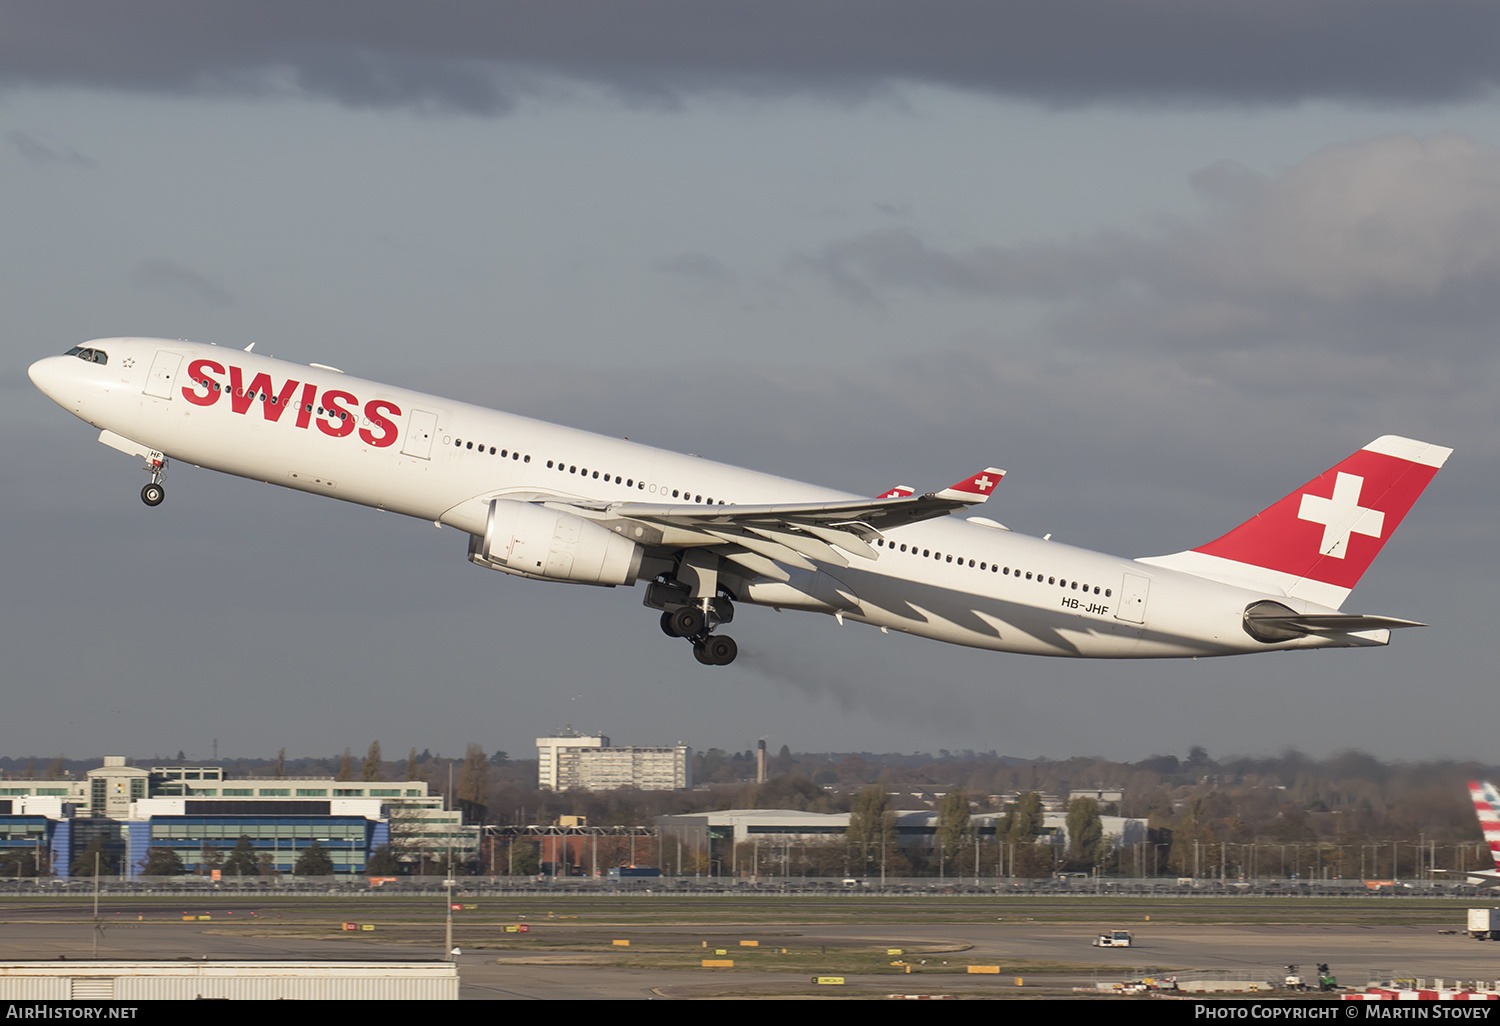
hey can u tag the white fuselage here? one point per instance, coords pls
(443, 461)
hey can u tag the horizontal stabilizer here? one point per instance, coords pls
(1326, 623)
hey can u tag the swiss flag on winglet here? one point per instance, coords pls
(1331, 529)
(898, 492)
(976, 488)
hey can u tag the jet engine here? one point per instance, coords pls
(534, 541)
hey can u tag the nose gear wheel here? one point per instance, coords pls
(154, 492)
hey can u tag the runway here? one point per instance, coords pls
(568, 958)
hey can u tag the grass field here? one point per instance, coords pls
(664, 910)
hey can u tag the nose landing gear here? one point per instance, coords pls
(154, 492)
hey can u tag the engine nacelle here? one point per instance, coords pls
(549, 545)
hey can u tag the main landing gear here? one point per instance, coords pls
(692, 623)
(693, 605)
(154, 492)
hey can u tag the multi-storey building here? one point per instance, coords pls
(588, 762)
(201, 814)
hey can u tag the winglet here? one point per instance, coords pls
(974, 489)
(898, 492)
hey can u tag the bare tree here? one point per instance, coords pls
(372, 769)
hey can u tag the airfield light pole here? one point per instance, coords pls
(97, 927)
(448, 910)
(884, 843)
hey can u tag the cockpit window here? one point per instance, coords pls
(91, 355)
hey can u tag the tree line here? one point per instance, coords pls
(1349, 814)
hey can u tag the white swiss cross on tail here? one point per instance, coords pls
(1341, 515)
(1317, 542)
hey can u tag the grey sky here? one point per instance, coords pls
(1162, 262)
(477, 56)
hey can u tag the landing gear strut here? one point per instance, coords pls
(154, 492)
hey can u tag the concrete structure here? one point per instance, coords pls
(646, 769)
(716, 834)
(432, 832)
(588, 762)
(740, 825)
(557, 756)
(200, 813)
(349, 830)
(246, 981)
(109, 789)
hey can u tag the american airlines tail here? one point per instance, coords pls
(1317, 542)
(1487, 807)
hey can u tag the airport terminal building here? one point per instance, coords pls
(200, 815)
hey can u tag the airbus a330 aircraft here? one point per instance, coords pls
(555, 504)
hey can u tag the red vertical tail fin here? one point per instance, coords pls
(1317, 542)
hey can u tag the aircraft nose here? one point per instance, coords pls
(44, 375)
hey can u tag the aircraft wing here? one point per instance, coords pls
(758, 537)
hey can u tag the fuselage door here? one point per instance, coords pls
(163, 374)
(1133, 598)
(420, 427)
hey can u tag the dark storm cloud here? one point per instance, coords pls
(473, 56)
(1367, 246)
